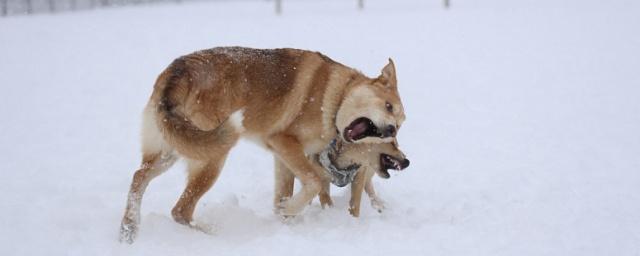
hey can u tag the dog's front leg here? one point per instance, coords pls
(284, 183)
(376, 202)
(357, 186)
(289, 150)
(325, 194)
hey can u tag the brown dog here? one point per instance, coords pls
(294, 102)
(368, 157)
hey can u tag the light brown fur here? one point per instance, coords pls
(367, 155)
(291, 101)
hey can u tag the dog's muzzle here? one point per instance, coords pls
(339, 177)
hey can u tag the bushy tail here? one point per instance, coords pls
(187, 138)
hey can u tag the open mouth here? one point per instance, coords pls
(388, 162)
(361, 128)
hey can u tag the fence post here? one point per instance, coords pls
(52, 6)
(4, 8)
(29, 6)
(360, 4)
(447, 4)
(278, 7)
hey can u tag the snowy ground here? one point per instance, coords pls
(523, 129)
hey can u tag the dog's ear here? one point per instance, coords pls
(389, 74)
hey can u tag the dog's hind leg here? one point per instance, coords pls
(202, 175)
(152, 166)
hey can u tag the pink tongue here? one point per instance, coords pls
(358, 129)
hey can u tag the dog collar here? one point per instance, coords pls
(339, 177)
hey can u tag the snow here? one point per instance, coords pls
(522, 129)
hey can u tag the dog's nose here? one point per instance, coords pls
(405, 163)
(390, 131)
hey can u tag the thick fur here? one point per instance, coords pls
(367, 155)
(291, 101)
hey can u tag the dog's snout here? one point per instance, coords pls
(390, 131)
(405, 163)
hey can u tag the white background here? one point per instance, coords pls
(523, 127)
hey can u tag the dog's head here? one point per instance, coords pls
(371, 110)
(380, 157)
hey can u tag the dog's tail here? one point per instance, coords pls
(188, 139)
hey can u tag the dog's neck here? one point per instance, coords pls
(339, 177)
(337, 82)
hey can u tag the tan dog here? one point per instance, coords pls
(367, 157)
(294, 102)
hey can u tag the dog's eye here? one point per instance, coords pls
(389, 107)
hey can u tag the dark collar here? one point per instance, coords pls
(339, 177)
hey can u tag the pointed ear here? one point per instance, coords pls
(389, 73)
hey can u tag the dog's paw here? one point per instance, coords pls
(207, 228)
(288, 208)
(128, 232)
(287, 219)
(377, 204)
(291, 220)
(354, 211)
(279, 206)
(279, 209)
(326, 202)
